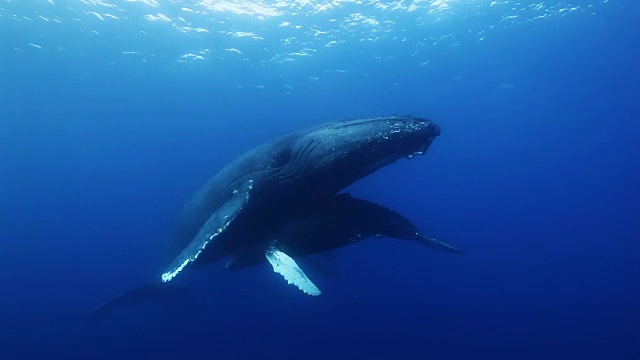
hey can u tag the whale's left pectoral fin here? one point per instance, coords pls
(215, 224)
(284, 265)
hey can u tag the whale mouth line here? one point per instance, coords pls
(421, 151)
(414, 154)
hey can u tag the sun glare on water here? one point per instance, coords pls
(262, 33)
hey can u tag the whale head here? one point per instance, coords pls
(339, 153)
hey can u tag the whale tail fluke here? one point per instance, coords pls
(155, 297)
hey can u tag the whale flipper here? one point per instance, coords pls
(436, 244)
(284, 265)
(215, 224)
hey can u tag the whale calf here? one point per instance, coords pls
(339, 221)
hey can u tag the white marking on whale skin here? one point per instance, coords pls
(171, 274)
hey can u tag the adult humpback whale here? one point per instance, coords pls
(278, 201)
(243, 208)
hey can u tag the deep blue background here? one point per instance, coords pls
(537, 181)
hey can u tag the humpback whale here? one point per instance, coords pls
(337, 222)
(280, 200)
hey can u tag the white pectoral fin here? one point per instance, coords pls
(215, 224)
(284, 265)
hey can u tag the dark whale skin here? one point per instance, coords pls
(294, 172)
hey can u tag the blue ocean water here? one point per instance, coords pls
(114, 112)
